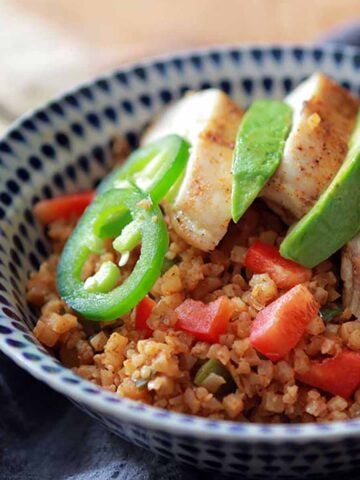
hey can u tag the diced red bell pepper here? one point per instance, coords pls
(339, 375)
(279, 326)
(205, 321)
(142, 313)
(63, 207)
(263, 258)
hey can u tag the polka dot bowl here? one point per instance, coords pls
(65, 146)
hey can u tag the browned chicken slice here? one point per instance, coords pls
(201, 210)
(350, 274)
(324, 118)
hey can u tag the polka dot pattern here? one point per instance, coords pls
(79, 129)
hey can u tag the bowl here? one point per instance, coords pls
(65, 146)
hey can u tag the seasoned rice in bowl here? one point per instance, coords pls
(159, 369)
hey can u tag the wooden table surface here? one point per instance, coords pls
(48, 45)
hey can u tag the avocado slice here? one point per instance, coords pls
(335, 217)
(258, 151)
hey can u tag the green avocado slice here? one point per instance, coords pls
(258, 151)
(335, 217)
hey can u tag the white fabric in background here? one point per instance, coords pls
(39, 61)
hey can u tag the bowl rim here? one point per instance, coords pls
(148, 416)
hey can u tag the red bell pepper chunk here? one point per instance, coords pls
(205, 322)
(339, 375)
(263, 258)
(279, 326)
(142, 313)
(63, 207)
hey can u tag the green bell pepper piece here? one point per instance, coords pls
(154, 168)
(97, 305)
(216, 367)
(167, 265)
(328, 312)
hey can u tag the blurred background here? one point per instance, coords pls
(46, 46)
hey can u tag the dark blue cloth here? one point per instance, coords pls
(43, 436)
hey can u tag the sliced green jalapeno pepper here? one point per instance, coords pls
(104, 279)
(153, 168)
(93, 301)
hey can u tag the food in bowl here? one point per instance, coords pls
(181, 286)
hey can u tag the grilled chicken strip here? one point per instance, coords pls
(350, 274)
(209, 120)
(324, 118)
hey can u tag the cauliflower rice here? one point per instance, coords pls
(159, 370)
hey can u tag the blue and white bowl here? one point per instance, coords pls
(65, 146)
